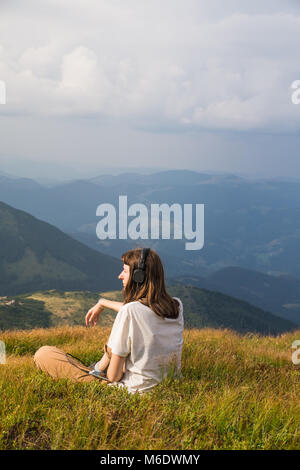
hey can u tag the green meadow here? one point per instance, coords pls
(236, 392)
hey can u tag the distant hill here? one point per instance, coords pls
(35, 255)
(172, 177)
(17, 184)
(172, 263)
(202, 308)
(277, 294)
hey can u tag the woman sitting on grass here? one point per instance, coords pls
(147, 335)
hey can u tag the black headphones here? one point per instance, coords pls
(139, 274)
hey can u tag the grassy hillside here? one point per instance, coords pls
(202, 308)
(36, 255)
(277, 294)
(237, 392)
(52, 308)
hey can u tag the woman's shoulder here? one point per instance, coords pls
(179, 302)
(137, 308)
(132, 306)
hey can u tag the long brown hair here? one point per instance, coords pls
(152, 292)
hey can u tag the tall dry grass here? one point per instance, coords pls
(237, 392)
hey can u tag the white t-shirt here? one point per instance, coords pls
(149, 342)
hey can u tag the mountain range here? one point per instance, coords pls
(252, 224)
(36, 256)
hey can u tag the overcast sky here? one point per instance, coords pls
(194, 84)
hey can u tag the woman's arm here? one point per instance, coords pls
(93, 314)
(112, 304)
(116, 368)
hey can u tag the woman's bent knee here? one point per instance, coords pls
(52, 360)
(42, 354)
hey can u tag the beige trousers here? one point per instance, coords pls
(52, 360)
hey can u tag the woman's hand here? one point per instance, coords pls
(93, 314)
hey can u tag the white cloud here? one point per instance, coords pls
(173, 64)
